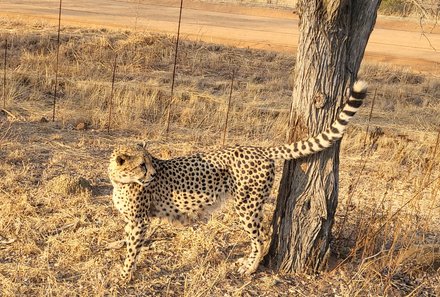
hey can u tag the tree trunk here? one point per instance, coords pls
(332, 42)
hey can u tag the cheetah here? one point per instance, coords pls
(183, 188)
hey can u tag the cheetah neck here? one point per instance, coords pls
(117, 185)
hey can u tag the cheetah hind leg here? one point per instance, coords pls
(248, 265)
(251, 218)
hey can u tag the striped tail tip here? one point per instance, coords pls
(359, 90)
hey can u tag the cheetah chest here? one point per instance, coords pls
(126, 196)
(120, 202)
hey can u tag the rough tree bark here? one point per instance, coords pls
(333, 37)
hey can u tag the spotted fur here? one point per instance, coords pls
(184, 188)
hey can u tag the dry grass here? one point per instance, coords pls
(57, 217)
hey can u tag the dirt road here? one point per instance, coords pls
(393, 41)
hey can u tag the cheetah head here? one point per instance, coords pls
(131, 164)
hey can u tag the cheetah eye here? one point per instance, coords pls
(144, 166)
(119, 160)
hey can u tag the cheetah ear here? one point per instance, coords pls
(120, 160)
(143, 144)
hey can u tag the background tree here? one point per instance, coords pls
(332, 41)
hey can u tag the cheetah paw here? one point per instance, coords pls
(246, 266)
(124, 279)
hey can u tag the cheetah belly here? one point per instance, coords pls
(199, 203)
(182, 204)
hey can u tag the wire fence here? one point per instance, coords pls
(94, 68)
(4, 71)
(56, 63)
(30, 59)
(176, 52)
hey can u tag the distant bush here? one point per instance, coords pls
(426, 8)
(395, 7)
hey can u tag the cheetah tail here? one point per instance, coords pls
(326, 138)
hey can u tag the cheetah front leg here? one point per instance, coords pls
(135, 233)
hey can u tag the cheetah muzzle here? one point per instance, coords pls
(185, 187)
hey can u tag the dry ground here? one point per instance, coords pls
(57, 218)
